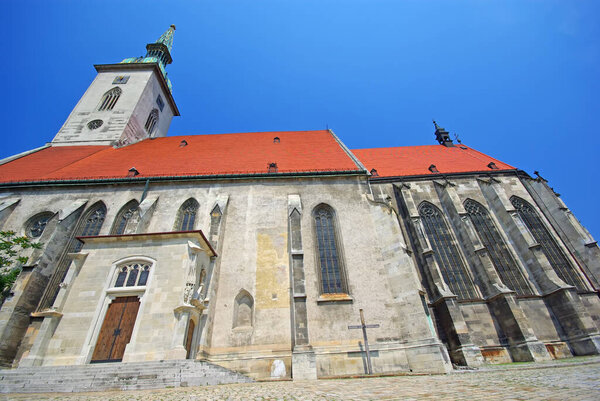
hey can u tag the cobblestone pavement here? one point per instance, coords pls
(530, 382)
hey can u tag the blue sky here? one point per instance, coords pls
(517, 80)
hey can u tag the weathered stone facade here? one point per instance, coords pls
(263, 272)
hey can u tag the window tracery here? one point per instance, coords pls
(151, 122)
(186, 216)
(563, 268)
(446, 252)
(330, 263)
(37, 224)
(125, 215)
(134, 274)
(110, 98)
(505, 264)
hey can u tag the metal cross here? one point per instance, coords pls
(364, 328)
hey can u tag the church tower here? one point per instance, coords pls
(126, 102)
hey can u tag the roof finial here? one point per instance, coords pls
(436, 125)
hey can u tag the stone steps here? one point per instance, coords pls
(116, 376)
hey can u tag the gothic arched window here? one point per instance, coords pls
(110, 99)
(91, 224)
(501, 257)
(132, 274)
(553, 253)
(37, 224)
(186, 216)
(125, 215)
(330, 262)
(151, 122)
(446, 252)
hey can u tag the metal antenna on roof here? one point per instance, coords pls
(457, 138)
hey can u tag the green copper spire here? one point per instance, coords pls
(167, 38)
(158, 52)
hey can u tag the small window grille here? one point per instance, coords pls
(553, 253)
(160, 103)
(37, 224)
(433, 169)
(110, 98)
(121, 79)
(374, 173)
(272, 168)
(132, 172)
(132, 275)
(186, 216)
(501, 257)
(276, 140)
(492, 165)
(332, 274)
(183, 143)
(151, 122)
(446, 252)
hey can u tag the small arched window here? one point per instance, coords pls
(109, 99)
(243, 309)
(132, 274)
(553, 253)
(333, 279)
(446, 252)
(151, 122)
(37, 224)
(127, 214)
(186, 216)
(501, 257)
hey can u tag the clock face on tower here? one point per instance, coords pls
(95, 124)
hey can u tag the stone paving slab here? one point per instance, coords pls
(571, 381)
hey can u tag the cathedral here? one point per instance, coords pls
(261, 252)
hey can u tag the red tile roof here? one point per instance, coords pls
(415, 160)
(225, 154)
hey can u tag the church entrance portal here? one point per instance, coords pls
(116, 330)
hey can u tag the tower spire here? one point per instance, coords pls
(161, 49)
(158, 52)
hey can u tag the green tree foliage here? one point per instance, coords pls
(11, 259)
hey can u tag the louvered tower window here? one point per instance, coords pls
(331, 265)
(89, 225)
(186, 216)
(501, 257)
(109, 99)
(553, 253)
(127, 212)
(446, 252)
(151, 122)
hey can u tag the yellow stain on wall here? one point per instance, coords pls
(272, 274)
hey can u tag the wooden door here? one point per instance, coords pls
(190, 337)
(116, 329)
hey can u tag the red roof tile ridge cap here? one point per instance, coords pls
(478, 155)
(398, 147)
(240, 133)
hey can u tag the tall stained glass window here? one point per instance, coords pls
(446, 252)
(331, 265)
(563, 268)
(501, 257)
